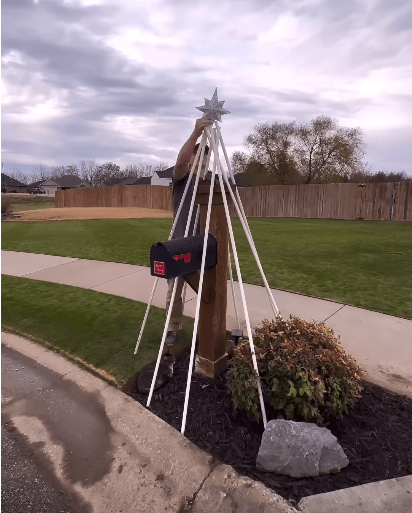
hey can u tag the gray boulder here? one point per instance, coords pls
(299, 449)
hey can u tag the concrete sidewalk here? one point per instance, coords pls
(381, 344)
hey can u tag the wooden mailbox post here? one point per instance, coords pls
(211, 357)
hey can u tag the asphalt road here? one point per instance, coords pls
(28, 484)
(29, 481)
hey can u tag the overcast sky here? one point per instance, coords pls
(119, 80)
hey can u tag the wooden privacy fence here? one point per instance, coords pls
(144, 196)
(374, 201)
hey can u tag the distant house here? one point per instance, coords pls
(9, 184)
(49, 186)
(70, 182)
(158, 178)
(163, 177)
(127, 181)
(144, 180)
(59, 184)
(34, 185)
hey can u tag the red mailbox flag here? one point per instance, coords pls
(186, 257)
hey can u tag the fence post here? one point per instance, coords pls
(392, 201)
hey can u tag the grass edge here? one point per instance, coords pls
(99, 373)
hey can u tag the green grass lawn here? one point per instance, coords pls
(30, 202)
(362, 263)
(100, 329)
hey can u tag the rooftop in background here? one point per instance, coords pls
(36, 184)
(132, 180)
(7, 180)
(167, 173)
(143, 180)
(70, 181)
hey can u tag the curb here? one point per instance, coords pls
(390, 496)
(161, 469)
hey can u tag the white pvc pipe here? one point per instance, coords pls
(199, 295)
(159, 356)
(233, 287)
(201, 147)
(242, 292)
(185, 285)
(149, 304)
(199, 150)
(169, 312)
(243, 219)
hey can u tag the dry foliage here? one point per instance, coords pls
(304, 371)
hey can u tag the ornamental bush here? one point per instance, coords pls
(304, 372)
(6, 208)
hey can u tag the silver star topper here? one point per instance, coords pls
(213, 108)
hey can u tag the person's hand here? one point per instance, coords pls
(201, 124)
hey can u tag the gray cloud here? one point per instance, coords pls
(138, 97)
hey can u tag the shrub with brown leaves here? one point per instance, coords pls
(305, 373)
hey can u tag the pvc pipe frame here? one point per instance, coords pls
(239, 275)
(199, 296)
(202, 144)
(216, 164)
(243, 219)
(172, 299)
(233, 287)
(185, 285)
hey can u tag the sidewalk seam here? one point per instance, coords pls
(47, 268)
(334, 313)
(114, 279)
(191, 502)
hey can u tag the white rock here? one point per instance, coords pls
(299, 449)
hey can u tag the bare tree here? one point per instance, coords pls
(316, 152)
(324, 148)
(71, 169)
(382, 176)
(239, 162)
(272, 147)
(108, 174)
(89, 171)
(17, 174)
(137, 170)
(57, 172)
(162, 166)
(40, 172)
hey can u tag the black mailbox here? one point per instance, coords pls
(178, 257)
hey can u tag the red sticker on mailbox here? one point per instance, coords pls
(159, 268)
(186, 257)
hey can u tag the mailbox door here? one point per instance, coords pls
(178, 257)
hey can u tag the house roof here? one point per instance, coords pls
(8, 180)
(127, 181)
(143, 180)
(132, 180)
(48, 183)
(167, 173)
(69, 181)
(36, 184)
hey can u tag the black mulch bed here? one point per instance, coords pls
(375, 435)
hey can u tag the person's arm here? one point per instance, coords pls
(183, 160)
